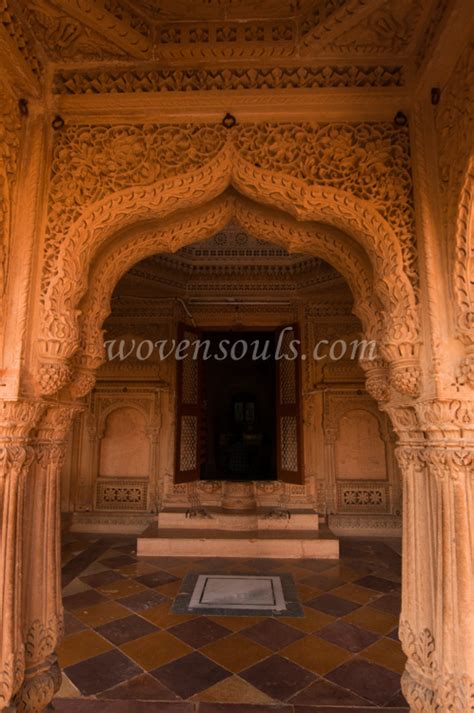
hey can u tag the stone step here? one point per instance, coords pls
(219, 518)
(157, 541)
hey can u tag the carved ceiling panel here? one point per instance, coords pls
(232, 262)
(224, 9)
(65, 38)
(390, 28)
(189, 33)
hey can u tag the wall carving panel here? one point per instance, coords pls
(10, 127)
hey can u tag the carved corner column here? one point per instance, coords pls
(17, 419)
(42, 602)
(436, 454)
(330, 436)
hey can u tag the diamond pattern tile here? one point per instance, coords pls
(278, 677)
(272, 634)
(124, 645)
(190, 674)
(199, 632)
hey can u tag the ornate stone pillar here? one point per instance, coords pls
(17, 418)
(436, 454)
(42, 602)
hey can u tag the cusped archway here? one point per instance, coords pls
(187, 207)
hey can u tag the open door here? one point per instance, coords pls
(188, 411)
(289, 421)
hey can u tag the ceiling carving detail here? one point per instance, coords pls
(121, 81)
(191, 33)
(232, 261)
(14, 24)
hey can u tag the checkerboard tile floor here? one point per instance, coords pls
(122, 643)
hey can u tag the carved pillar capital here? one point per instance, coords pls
(83, 381)
(377, 379)
(451, 419)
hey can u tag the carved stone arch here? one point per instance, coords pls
(104, 218)
(345, 255)
(100, 223)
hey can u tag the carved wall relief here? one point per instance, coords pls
(455, 129)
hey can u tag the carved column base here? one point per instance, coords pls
(39, 686)
(439, 692)
(418, 691)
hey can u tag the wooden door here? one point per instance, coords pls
(189, 409)
(288, 401)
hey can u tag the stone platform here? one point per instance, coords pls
(238, 534)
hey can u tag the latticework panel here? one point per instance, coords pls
(287, 371)
(190, 381)
(289, 444)
(360, 496)
(120, 494)
(188, 443)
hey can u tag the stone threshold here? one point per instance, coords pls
(87, 705)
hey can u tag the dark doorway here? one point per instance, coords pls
(238, 431)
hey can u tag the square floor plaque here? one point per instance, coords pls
(237, 592)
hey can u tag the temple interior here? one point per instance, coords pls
(236, 356)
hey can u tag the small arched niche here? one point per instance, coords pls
(360, 450)
(124, 449)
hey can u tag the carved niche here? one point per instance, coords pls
(364, 476)
(117, 448)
